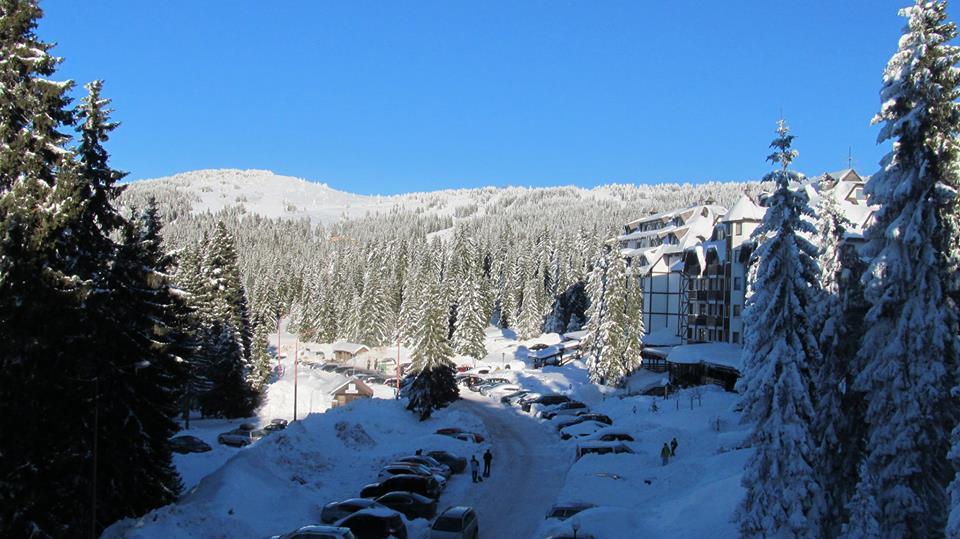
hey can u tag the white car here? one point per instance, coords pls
(456, 523)
(500, 390)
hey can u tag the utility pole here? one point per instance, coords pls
(96, 436)
(398, 366)
(296, 344)
(279, 318)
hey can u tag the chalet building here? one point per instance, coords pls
(345, 351)
(653, 248)
(350, 391)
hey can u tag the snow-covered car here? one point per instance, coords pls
(456, 464)
(499, 389)
(409, 468)
(563, 511)
(566, 421)
(456, 523)
(564, 408)
(431, 463)
(460, 434)
(334, 511)
(375, 523)
(318, 532)
(487, 383)
(275, 425)
(611, 435)
(239, 437)
(513, 398)
(601, 448)
(412, 505)
(581, 430)
(543, 400)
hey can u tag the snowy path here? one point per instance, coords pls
(529, 466)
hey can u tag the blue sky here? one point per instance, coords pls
(397, 96)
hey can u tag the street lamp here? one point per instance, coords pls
(575, 524)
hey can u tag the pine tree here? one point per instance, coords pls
(780, 356)
(468, 335)
(261, 362)
(910, 351)
(530, 321)
(434, 386)
(606, 342)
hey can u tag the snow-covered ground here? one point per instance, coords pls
(280, 482)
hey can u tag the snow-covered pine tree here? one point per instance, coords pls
(606, 341)
(468, 334)
(633, 326)
(261, 362)
(222, 274)
(909, 350)
(434, 386)
(530, 322)
(780, 356)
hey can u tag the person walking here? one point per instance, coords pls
(665, 453)
(673, 447)
(475, 468)
(487, 458)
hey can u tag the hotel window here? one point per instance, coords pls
(736, 283)
(738, 229)
(736, 337)
(689, 333)
(736, 310)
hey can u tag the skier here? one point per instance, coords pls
(665, 453)
(673, 447)
(487, 457)
(475, 468)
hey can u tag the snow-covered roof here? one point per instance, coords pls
(715, 353)
(662, 337)
(544, 353)
(841, 175)
(643, 380)
(745, 210)
(353, 386)
(575, 335)
(349, 347)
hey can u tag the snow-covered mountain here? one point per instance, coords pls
(271, 195)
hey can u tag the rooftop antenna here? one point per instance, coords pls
(849, 156)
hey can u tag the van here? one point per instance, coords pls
(601, 448)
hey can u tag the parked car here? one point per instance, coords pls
(566, 421)
(571, 535)
(239, 437)
(544, 400)
(318, 532)
(431, 463)
(587, 414)
(499, 389)
(456, 464)
(412, 505)
(601, 448)
(188, 444)
(460, 434)
(410, 468)
(564, 408)
(564, 511)
(456, 523)
(611, 435)
(375, 523)
(581, 430)
(334, 511)
(275, 425)
(423, 485)
(513, 398)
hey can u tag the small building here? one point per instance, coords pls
(350, 391)
(707, 363)
(345, 351)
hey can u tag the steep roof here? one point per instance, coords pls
(353, 386)
(349, 347)
(745, 210)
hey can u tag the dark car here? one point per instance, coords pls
(329, 367)
(188, 444)
(461, 434)
(564, 408)
(334, 511)
(418, 484)
(591, 416)
(431, 463)
(456, 464)
(456, 523)
(411, 504)
(375, 523)
(545, 400)
(567, 510)
(511, 398)
(275, 425)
